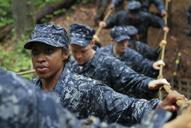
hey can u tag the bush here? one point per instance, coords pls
(16, 58)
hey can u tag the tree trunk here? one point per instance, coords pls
(23, 15)
(66, 4)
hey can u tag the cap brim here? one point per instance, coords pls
(122, 38)
(29, 44)
(79, 42)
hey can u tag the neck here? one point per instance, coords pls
(92, 54)
(116, 53)
(49, 83)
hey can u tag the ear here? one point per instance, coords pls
(65, 54)
(92, 43)
(113, 42)
(69, 47)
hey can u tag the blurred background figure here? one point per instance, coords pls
(189, 19)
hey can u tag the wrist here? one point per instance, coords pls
(169, 125)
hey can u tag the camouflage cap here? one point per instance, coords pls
(134, 5)
(80, 34)
(119, 33)
(131, 30)
(49, 34)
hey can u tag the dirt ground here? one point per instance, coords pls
(178, 42)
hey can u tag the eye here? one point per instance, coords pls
(83, 51)
(49, 51)
(35, 52)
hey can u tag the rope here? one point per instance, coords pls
(96, 36)
(182, 103)
(26, 72)
(163, 44)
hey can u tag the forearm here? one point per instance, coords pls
(121, 107)
(135, 84)
(159, 5)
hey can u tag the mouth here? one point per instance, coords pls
(41, 69)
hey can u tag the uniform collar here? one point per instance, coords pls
(58, 87)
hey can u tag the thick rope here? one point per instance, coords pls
(182, 103)
(96, 36)
(26, 72)
(163, 44)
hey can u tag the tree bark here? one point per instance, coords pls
(23, 15)
(5, 32)
(66, 4)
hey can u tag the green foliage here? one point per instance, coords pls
(5, 13)
(17, 59)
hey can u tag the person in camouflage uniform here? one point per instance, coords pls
(79, 94)
(140, 47)
(24, 106)
(189, 19)
(100, 10)
(134, 16)
(108, 69)
(146, 4)
(132, 58)
(102, 6)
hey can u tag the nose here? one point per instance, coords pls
(78, 56)
(125, 44)
(41, 58)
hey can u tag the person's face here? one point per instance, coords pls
(135, 37)
(47, 60)
(121, 46)
(82, 54)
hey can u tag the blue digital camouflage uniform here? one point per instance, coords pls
(145, 50)
(24, 106)
(107, 68)
(101, 8)
(189, 19)
(141, 47)
(145, 4)
(114, 73)
(120, 34)
(84, 97)
(141, 20)
(189, 15)
(134, 60)
(159, 4)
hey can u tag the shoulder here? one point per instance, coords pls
(124, 12)
(76, 80)
(121, 13)
(145, 14)
(107, 49)
(130, 51)
(17, 96)
(105, 59)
